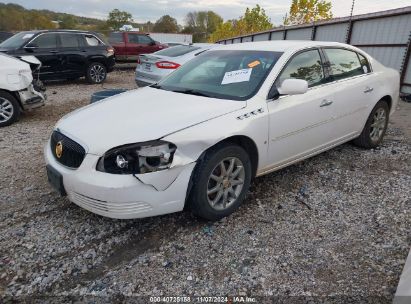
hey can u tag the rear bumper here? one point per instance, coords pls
(111, 62)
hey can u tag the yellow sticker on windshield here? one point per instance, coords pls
(253, 64)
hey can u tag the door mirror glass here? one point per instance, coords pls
(293, 87)
(31, 46)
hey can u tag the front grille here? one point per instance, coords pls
(72, 153)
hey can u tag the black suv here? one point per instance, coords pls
(64, 54)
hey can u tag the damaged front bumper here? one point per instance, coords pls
(123, 196)
(30, 98)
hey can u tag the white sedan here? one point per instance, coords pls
(200, 136)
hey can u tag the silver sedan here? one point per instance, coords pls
(151, 68)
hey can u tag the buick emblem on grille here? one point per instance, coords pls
(59, 149)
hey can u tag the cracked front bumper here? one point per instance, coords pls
(121, 196)
(31, 99)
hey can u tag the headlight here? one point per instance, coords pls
(138, 158)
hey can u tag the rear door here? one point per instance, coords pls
(118, 42)
(72, 56)
(350, 82)
(45, 48)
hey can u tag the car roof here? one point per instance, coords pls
(281, 45)
(59, 31)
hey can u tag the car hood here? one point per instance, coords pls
(138, 116)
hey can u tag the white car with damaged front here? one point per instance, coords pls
(200, 136)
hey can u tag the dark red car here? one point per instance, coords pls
(128, 45)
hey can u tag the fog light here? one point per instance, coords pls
(121, 162)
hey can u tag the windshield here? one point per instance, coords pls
(225, 74)
(17, 40)
(176, 51)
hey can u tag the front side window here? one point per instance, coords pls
(343, 63)
(224, 74)
(306, 66)
(69, 40)
(144, 39)
(133, 38)
(45, 41)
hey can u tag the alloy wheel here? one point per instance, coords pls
(97, 73)
(225, 183)
(378, 124)
(6, 110)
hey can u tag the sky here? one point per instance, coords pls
(151, 10)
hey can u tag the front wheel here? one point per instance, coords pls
(96, 73)
(220, 182)
(375, 127)
(9, 109)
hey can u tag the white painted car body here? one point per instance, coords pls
(284, 131)
(16, 77)
(148, 73)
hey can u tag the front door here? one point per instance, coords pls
(300, 125)
(45, 48)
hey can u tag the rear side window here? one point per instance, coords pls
(343, 63)
(176, 51)
(115, 38)
(306, 66)
(92, 41)
(46, 41)
(69, 40)
(365, 64)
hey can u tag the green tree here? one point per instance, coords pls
(166, 24)
(68, 22)
(202, 24)
(117, 18)
(253, 20)
(307, 11)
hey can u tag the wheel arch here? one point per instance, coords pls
(243, 141)
(15, 95)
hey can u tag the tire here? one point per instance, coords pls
(225, 193)
(9, 109)
(375, 127)
(96, 73)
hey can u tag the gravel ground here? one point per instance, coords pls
(335, 225)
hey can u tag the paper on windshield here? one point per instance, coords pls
(237, 76)
(27, 36)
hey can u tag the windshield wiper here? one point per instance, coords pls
(155, 86)
(192, 92)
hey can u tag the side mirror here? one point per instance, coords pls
(293, 87)
(152, 43)
(31, 47)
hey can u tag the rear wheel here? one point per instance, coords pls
(9, 109)
(375, 127)
(220, 182)
(96, 73)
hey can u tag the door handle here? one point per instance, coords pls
(54, 52)
(326, 103)
(368, 90)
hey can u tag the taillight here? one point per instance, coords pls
(167, 65)
(110, 51)
(138, 60)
